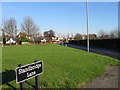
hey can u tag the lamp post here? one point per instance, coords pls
(87, 25)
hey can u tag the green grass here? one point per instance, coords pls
(64, 67)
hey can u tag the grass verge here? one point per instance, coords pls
(64, 67)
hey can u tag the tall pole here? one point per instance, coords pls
(87, 25)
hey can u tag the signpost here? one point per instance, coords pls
(26, 72)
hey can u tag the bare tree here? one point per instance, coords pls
(10, 27)
(118, 33)
(113, 34)
(49, 34)
(101, 32)
(92, 36)
(68, 35)
(29, 26)
(72, 36)
(78, 36)
(103, 35)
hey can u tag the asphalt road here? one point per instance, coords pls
(108, 52)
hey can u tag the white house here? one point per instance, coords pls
(43, 40)
(10, 41)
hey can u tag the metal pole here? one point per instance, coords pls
(37, 80)
(22, 83)
(87, 25)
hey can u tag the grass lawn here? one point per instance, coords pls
(64, 67)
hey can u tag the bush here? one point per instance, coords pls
(4, 39)
(102, 43)
(31, 42)
(24, 39)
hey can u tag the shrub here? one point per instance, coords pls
(4, 39)
(24, 39)
(102, 43)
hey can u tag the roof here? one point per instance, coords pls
(22, 34)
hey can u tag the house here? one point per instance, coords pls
(29, 37)
(10, 41)
(22, 34)
(54, 38)
(43, 40)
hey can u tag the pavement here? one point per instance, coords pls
(109, 79)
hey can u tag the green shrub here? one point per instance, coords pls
(24, 39)
(31, 42)
(4, 39)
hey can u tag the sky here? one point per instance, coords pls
(65, 17)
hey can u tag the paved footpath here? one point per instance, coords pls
(108, 80)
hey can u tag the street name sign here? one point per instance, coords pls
(26, 72)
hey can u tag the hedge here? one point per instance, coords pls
(102, 43)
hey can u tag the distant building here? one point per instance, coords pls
(54, 39)
(29, 37)
(10, 41)
(43, 40)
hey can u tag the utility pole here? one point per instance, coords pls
(87, 25)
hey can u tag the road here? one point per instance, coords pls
(106, 52)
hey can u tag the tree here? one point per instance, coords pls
(10, 27)
(78, 36)
(37, 39)
(29, 26)
(101, 32)
(4, 39)
(92, 36)
(104, 36)
(68, 35)
(113, 34)
(49, 34)
(118, 33)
